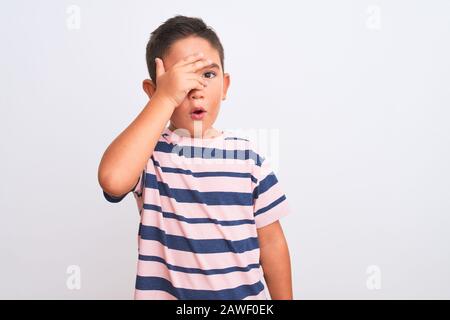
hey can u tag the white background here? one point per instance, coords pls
(359, 91)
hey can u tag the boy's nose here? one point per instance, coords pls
(196, 94)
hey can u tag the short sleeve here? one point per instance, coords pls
(269, 201)
(137, 190)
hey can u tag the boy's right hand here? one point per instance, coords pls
(174, 84)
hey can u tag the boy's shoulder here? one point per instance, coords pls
(169, 136)
(230, 135)
(248, 142)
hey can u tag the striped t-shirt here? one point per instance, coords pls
(200, 203)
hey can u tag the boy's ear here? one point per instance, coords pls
(149, 87)
(226, 84)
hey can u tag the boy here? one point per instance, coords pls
(209, 203)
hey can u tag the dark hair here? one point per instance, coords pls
(174, 29)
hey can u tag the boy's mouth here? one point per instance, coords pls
(198, 113)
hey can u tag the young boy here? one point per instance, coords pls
(209, 202)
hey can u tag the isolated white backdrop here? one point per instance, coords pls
(359, 91)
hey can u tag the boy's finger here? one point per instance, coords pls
(201, 81)
(197, 84)
(189, 59)
(197, 65)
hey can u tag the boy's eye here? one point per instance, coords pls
(209, 72)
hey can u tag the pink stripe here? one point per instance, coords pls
(198, 230)
(268, 197)
(197, 281)
(198, 164)
(205, 184)
(280, 210)
(150, 167)
(153, 295)
(203, 261)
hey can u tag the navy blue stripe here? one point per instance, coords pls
(270, 206)
(265, 184)
(197, 270)
(195, 196)
(195, 245)
(238, 293)
(208, 153)
(197, 220)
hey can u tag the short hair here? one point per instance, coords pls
(174, 29)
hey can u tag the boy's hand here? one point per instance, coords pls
(174, 84)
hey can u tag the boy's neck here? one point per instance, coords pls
(207, 133)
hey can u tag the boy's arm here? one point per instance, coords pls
(275, 261)
(125, 158)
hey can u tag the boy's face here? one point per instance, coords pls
(209, 97)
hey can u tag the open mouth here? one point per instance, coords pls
(198, 113)
(198, 110)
